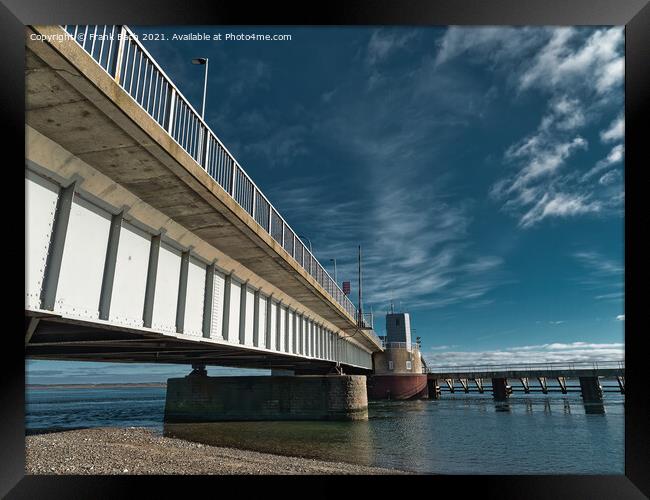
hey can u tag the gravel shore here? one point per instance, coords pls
(134, 450)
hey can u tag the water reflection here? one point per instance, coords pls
(502, 406)
(594, 408)
(337, 441)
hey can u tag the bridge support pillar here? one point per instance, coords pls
(433, 388)
(592, 392)
(500, 388)
(299, 397)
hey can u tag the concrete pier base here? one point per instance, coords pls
(300, 397)
(500, 389)
(592, 392)
(433, 388)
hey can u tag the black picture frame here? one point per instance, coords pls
(634, 14)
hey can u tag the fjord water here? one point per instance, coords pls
(457, 434)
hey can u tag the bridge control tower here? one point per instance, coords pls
(398, 371)
(398, 328)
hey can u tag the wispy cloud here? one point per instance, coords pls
(539, 188)
(497, 44)
(559, 205)
(384, 43)
(603, 274)
(599, 264)
(565, 60)
(615, 156)
(572, 66)
(415, 243)
(615, 132)
(620, 317)
(542, 353)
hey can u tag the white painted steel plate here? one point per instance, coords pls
(195, 297)
(130, 281)
(235, 300)
(250, 314)
(84, 256)
(283, 329)
(167, 282)
(41, 197)
(290, 331)
(261, 323)
(274, 316)
(217, 306)
(310, 343)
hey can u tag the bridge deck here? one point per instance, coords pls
(76, 103)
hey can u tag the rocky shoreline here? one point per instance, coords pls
(135, 450)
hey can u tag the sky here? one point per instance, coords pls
(481, 169)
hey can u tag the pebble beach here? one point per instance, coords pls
(135, 450)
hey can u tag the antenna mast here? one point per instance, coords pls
(360, 319)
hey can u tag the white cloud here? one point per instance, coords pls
(544, 184)
(541, 155)
(564, 59)
(565, 62)
(559, 205)
(615, 131)
(610, 296)
(383, 43)
(610, 178)
(615, 156)
(620, 317)
(496, 43)
(599, 264)
(555, 352)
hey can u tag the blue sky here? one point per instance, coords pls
(480, 169)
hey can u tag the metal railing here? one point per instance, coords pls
(400, 345)
(119, 52)
(568, 366)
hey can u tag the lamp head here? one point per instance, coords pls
(199, 60)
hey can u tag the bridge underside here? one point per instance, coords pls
(58, 339)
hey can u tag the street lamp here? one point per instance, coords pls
(203, 60)
(335, 277)
(304, 238)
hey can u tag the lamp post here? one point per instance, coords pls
(308, 241)
(203, 60)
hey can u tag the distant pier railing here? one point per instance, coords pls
(603, 368)
(121, 54)
(471, 378)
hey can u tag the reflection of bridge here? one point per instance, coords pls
(146, 240)
(471, 378)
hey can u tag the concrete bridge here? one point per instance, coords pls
(471, 378)
(146, 241)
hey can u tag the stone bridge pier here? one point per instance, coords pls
(200, 398)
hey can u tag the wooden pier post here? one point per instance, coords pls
(500, 388)
(592, 392)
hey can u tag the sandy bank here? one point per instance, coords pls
(132, 450)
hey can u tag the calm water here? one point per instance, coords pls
(460, 433)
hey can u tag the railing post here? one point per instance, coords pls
(270, 213)
(172, 112)
(121, 40)
(206, 150)
(232, 178)
(254, 197)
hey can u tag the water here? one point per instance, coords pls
(457, 434)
